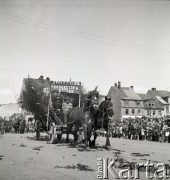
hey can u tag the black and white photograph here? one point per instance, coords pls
(84, 89)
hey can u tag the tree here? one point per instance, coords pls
(32, 98)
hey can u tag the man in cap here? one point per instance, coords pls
(66, 106)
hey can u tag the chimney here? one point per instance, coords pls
(119, 84)
(131, 87)
(115, 84)
(153, 89)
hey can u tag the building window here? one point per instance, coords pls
(151, 104)
(139, 111)
(137, 102)
(126, 102)
(167, 110)
(133, 111)
(154, 113)
(127, 111)
(148, 112)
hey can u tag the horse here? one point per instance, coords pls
(105, 113)
(83, 117)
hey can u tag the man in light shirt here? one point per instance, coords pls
(66, 106)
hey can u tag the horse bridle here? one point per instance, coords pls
(105, 111)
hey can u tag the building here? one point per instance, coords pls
(153, 108)
(163, 97)
(29, 118)
(126, 102)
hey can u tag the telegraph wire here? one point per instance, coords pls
(86, 34)
(152, 50)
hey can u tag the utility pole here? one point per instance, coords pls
(150, 110)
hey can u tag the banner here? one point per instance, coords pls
(67, 87)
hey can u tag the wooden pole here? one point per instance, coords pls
(80, 96)
(48, 117)
(49, 104)
(79, 100)
(107, 136)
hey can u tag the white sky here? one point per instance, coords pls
(97, 42)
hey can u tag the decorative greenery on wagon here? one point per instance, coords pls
(32, 97)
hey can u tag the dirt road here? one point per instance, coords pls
(24, 158)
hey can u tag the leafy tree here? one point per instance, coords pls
(32, 98)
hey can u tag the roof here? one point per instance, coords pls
(157, 105)
(161, 100)
(161, 93)
(126, 93)
(146, 96)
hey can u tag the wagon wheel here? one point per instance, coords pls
(38, 126)
(52, 139)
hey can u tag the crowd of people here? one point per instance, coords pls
(16, 126)
(142, 129)
(19, 125)
(151, 129)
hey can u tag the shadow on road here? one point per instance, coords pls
(139, 154)
(79, 147)
(1, 157)
(80, 167)
(42, 138)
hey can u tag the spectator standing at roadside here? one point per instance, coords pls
(2, 127)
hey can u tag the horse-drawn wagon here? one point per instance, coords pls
(45, 99)
(86, 118)
(62, 97)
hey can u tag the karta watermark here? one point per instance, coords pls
(106, 169)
